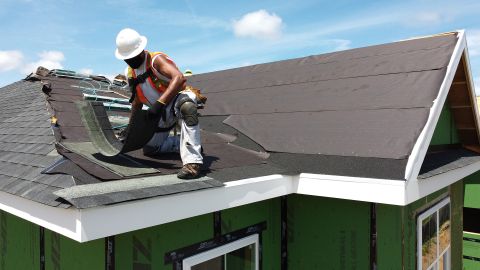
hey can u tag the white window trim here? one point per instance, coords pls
(420, 218)
(222, 250)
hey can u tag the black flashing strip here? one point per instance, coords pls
(178, 265)
(284, 233)
(260, 252)
(217, 224)
(471, 239)
(42, 248)
(110, 253)
(471, 258)
(185, 252)
(373, 236)
(217, 229)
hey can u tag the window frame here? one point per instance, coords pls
(191, 261)
(434, 209)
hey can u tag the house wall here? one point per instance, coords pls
(63, 253)
(397, 229)
(471, 251)
(471, 236)
(323, 233)
(137, 250)
(472, 191)
(445, 131)
(243, 216)
(19, 243)
(145, 249)
(326, 233)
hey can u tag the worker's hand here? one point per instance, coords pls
(158, 110)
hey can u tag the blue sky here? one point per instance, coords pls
(213, 35)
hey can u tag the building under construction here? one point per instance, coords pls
(347, 160)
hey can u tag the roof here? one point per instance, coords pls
(27, 145)
(344, 124)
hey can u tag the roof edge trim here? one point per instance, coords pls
(419, 150)
(88, 224)
(383, 191)
(60, 220)
(422, 187)
(119, 218)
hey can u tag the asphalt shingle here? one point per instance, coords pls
(26, 140)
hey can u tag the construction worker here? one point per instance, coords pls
(156, 82)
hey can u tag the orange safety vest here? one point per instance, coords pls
(159, 83)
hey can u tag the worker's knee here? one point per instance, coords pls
(188, 108)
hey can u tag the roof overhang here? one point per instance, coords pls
(93, 223)
(417, 156)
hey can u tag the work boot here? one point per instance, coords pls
(189, 171)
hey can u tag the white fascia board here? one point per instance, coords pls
(352, 188)
(419, 188)
(417, 156)
(120, 218)
(115, 219)
(60, 220)
(93, 223)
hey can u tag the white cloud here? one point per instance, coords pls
(86, 71)
(428, 17)
(10, 60)
(259, 24)
(341, 44)
(473, 40)
(15, 61)
(48, 59)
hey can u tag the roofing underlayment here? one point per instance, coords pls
(352, 113)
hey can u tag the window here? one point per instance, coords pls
(433, 236)
(238, 255)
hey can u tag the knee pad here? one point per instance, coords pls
(188, 108)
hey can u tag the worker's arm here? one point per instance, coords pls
(177, 80)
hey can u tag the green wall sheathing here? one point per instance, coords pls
(64, 253)
(472, 191)
(445, 131)
(327, 233)
(390, 224)
(397, 230)
(471, 249)
(145, 249)
(19, 243)
(244, 216)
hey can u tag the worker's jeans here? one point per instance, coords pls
(188, 143)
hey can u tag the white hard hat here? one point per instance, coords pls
(188, 72)
(129, 44)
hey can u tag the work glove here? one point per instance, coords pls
(157, 111)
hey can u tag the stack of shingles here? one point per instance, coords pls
(27, 145)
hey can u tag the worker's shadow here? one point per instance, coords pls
(207, 163)
(164, 161)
